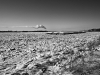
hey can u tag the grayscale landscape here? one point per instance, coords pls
(49, 37)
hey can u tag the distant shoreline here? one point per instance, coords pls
(56, 32)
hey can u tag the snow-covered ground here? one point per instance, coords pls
(45, 54)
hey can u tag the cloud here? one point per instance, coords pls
(40, 26)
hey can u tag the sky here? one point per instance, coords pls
(55, 15)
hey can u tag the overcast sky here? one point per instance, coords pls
(59, 15)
